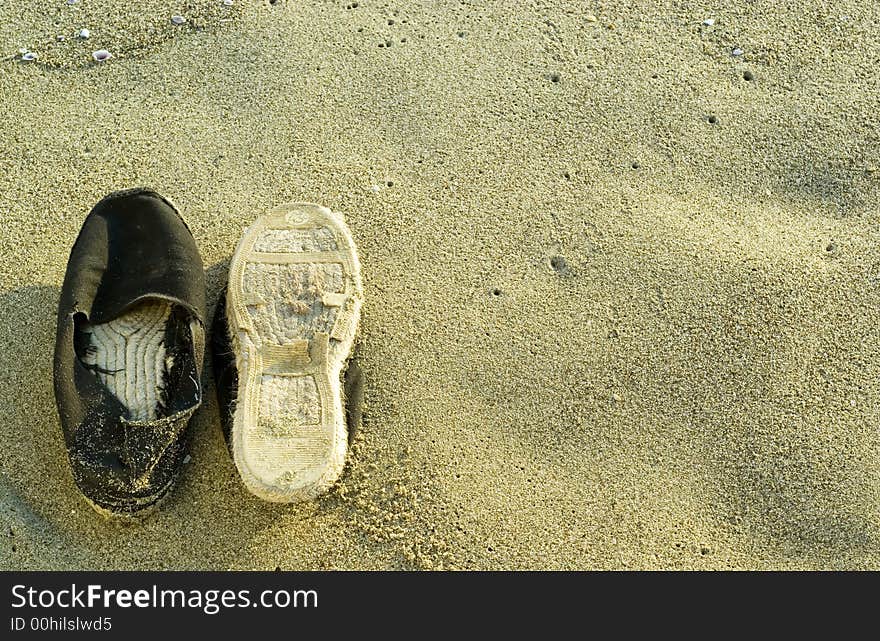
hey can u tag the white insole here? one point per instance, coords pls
(128, 355)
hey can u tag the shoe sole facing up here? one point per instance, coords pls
(293, 305)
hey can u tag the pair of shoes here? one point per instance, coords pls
(131, 341)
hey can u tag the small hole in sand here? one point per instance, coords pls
(381, 45)
(713, 120)
(496, 292)
(390, 183)
(830, 247)
(461, 34)
(558, 263)
(566, 175)
(390, 23)
(555, 77)
(635, 165)
(748, 75)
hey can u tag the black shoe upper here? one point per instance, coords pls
(223, 365)
(132, 247)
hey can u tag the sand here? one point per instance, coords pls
(622, 303)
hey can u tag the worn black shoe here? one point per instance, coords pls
(129, 349)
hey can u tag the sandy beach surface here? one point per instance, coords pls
(621, 272)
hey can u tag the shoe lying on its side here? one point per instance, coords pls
(281, 338)
(129, 349)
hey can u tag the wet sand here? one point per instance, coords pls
(622, 285)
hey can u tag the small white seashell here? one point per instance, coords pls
(72, 1)
(178, 19)
(736, 52)
(101, 55)
(227, 3)
(708, 22)
(29, 56)
(60, 38)
(84, 34)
